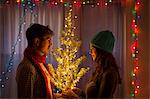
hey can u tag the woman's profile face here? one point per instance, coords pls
(93, 52)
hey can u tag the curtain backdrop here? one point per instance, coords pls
(87, 19)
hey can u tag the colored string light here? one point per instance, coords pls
(134, 49)
(10, 64)
(4, 75)
(66, 4)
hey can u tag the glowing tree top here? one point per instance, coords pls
(67, 73)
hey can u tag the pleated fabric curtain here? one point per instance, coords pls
(87, 19)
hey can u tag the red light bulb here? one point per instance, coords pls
(135, 91)
(133, 83)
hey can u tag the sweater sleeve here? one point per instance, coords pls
(107, 85)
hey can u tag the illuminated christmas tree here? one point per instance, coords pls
(67, 73)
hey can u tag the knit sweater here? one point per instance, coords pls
(30, 81)
(103, 86)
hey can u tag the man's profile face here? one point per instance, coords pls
(45, 44)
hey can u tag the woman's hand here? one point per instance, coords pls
(69, 94)
(76, 90)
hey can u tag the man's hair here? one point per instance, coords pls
(37, 31)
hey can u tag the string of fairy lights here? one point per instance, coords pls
(135, 87)
(31, 5)
(4, 76)
(62, 2)
(10, 64)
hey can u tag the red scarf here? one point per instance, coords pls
(39, 61)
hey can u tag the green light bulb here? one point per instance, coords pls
(132, 94)
(134, 12)
(29, 2)
(66, 4)
(133, 35)
(23, 5)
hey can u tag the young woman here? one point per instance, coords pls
(105, 77)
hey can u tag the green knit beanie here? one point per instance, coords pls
(104, 40)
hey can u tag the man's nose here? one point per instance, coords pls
(90, 51)
(50, 42)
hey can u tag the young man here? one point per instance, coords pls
(33, 79)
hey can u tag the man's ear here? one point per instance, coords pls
(36, 42)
